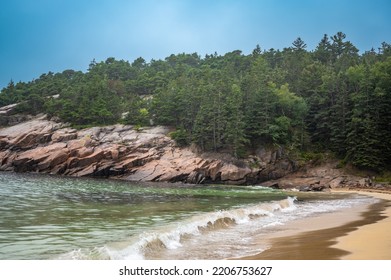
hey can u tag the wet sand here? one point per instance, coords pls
(372, 241)
(357, 233)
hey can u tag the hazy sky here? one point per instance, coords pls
(38, 36)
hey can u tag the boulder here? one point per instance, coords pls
(334, 183)
(231, 173)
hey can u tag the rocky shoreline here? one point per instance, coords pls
(326, 177)
(150, 155)
(122, 152)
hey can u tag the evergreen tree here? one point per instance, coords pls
(234, 133)
(332, 98)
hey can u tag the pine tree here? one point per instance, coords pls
(234, 132)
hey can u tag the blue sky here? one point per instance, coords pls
(38, 36)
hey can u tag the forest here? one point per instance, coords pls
(334, 98)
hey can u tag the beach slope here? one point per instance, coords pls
(357, 233)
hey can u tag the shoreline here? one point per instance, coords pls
(379, 234)
(360, 233)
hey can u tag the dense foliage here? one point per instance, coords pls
(331, 98)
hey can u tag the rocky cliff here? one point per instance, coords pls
(119, 151)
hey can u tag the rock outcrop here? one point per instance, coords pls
(9, 116)
(119, 151)
(325, 177)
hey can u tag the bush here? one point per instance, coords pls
(181, 137)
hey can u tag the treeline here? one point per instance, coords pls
(331, 98)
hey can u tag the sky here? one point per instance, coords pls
(38, 36)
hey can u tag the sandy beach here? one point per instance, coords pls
(362, 233)
(372, 241)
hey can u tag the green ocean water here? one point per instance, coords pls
(51, 217)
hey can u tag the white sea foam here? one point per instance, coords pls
(207, 225)
(219, 234)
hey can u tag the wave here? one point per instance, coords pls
(200, 235)
(172, 237)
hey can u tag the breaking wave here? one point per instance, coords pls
(172, 236)
(219, 234)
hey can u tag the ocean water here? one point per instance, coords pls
(52, 217)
